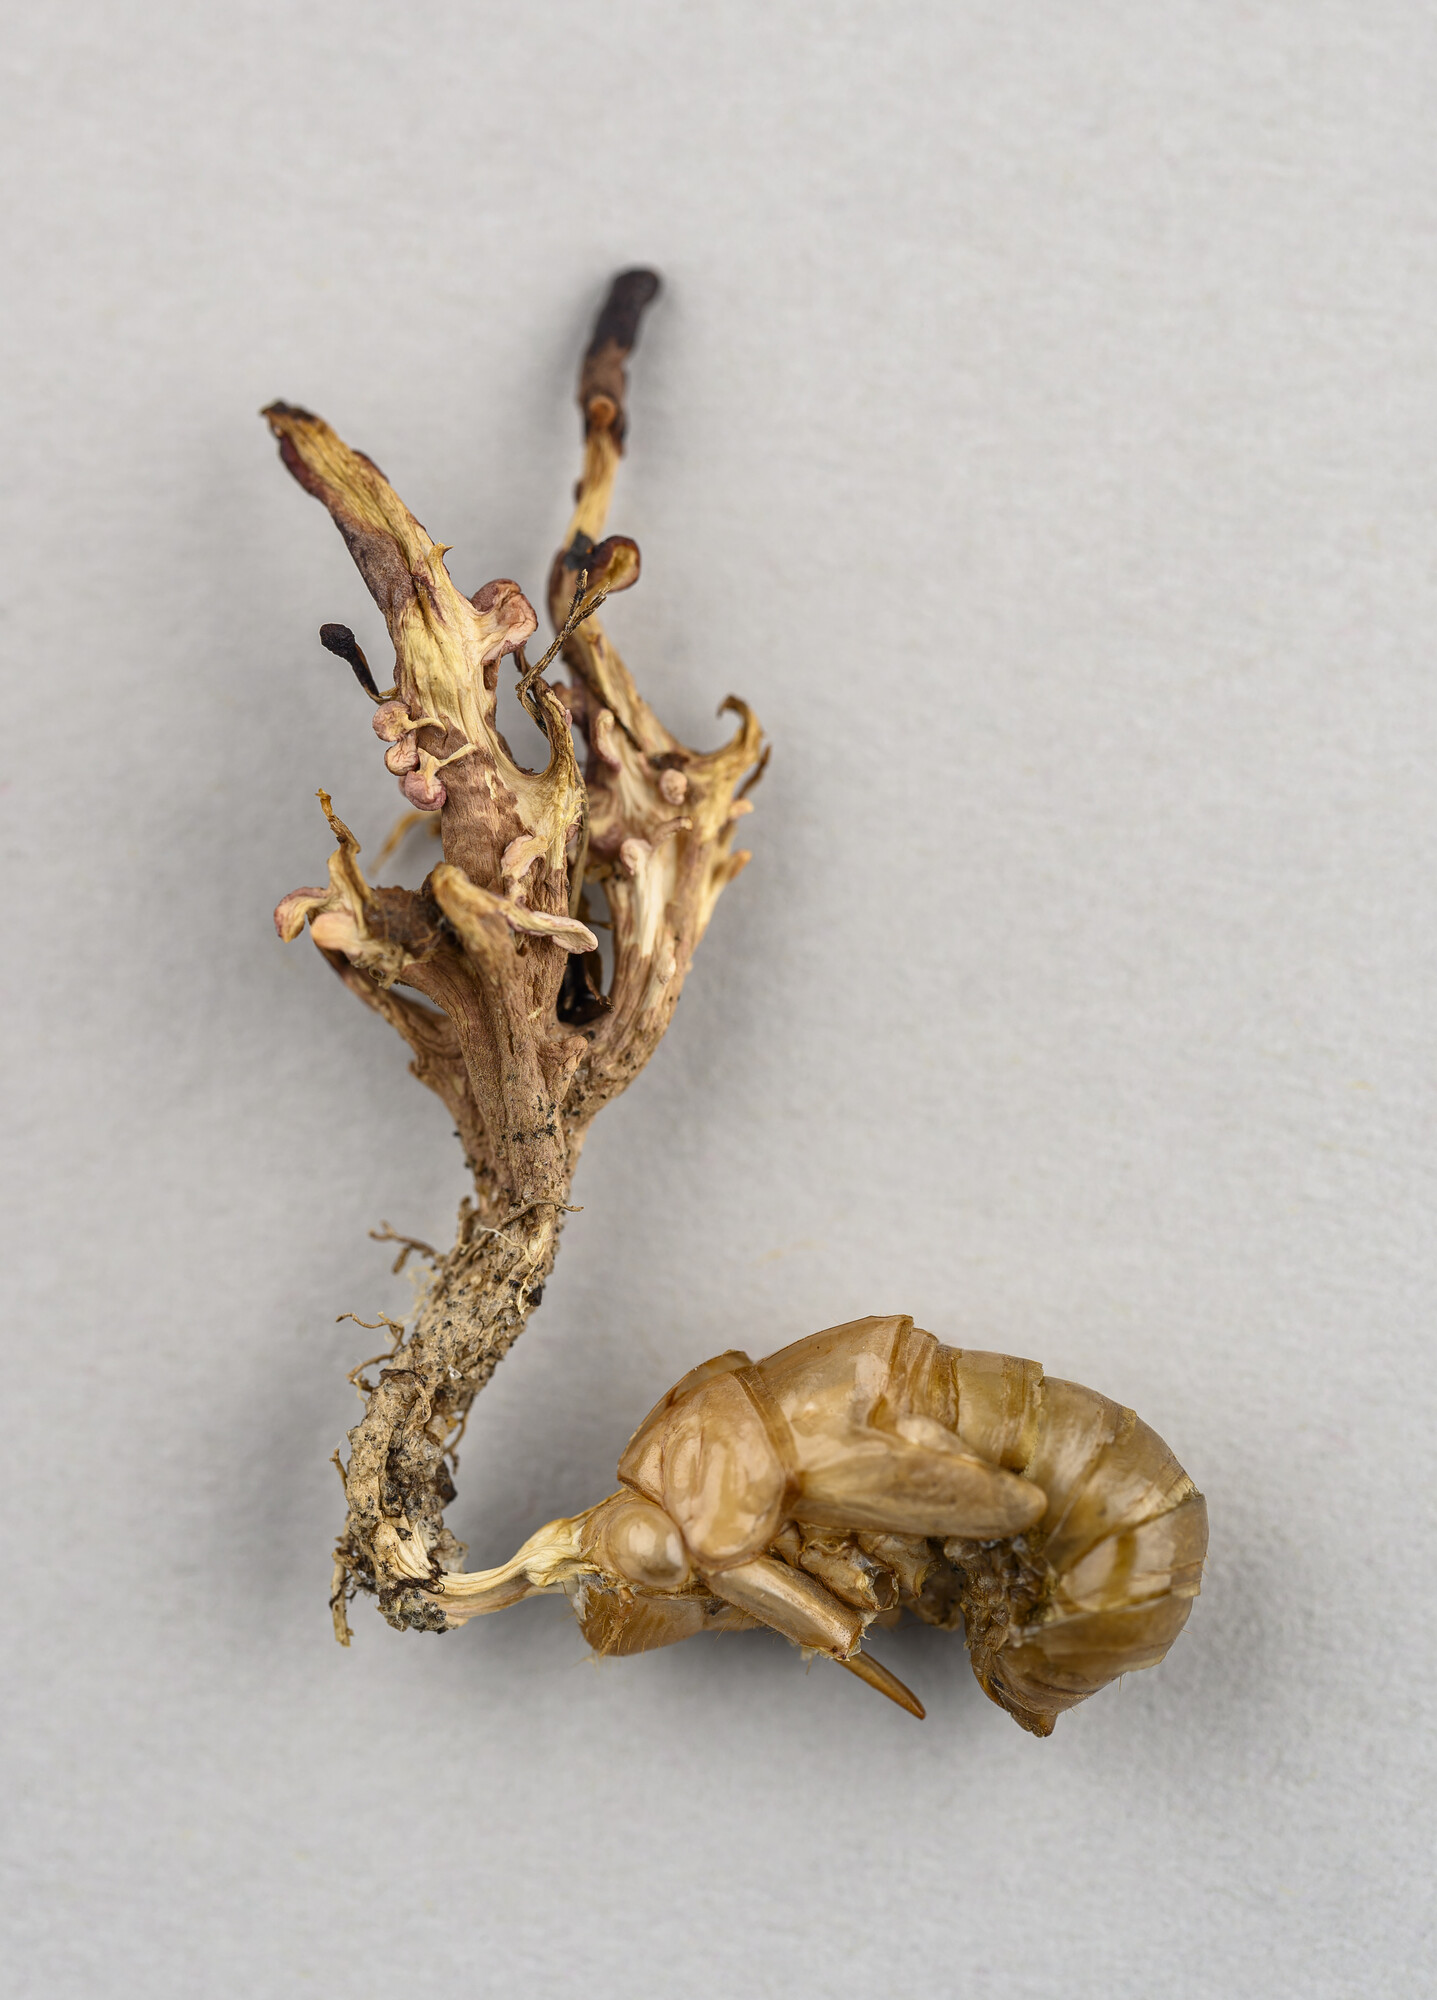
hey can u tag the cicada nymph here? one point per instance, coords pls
(868, 1471)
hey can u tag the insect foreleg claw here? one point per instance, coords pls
(868, 1669)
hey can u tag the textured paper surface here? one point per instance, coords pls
(1051, 394)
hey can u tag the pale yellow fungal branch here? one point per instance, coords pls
(491, 970)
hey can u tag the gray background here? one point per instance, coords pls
(1038, 426)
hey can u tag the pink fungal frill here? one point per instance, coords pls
(291, 911)
(424, 791)
(510, 615)
(391, 720)
(393, 724)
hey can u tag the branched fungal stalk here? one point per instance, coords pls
(490, 970)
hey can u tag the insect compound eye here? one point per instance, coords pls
(643, 1545)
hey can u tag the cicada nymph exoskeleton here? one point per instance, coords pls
(867, 1471)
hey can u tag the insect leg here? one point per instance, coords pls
(803, 1611)
(619, 1622)
(868, 1669)
(885, 1482)
(791, 1603)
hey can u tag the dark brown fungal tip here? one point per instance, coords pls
(622, 310)
(339, 640)
(616, 332)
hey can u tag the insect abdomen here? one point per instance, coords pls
(1123, 1538)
